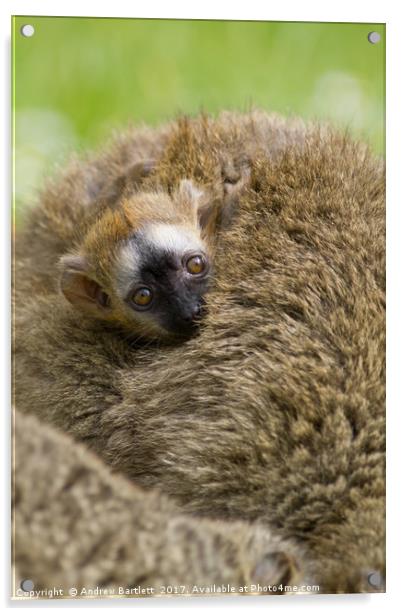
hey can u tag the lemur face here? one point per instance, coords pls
(162, 274)
(145, 264)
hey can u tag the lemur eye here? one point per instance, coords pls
(195, 265)
(142, 297)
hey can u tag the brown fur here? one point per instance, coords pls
(72, 201)
(274, 414)
(214, 153)
(77, 525)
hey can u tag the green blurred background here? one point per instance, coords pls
(77, 79)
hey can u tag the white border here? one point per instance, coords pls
(285, 10)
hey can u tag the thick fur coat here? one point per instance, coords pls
(79, 526)
(274, 414)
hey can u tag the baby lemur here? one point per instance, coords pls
(144, 264)
(131, 254)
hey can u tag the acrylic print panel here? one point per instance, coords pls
(199, 308)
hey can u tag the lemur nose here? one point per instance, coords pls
(193, 313)
(196, 311)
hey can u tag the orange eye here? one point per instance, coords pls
(142, 297)
(195, 265)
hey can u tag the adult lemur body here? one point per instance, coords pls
(274, 413)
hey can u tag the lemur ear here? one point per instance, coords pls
(79, 288)
(206, 209)
(189, 192)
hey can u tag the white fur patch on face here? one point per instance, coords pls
(175, 239)
(160, 238)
